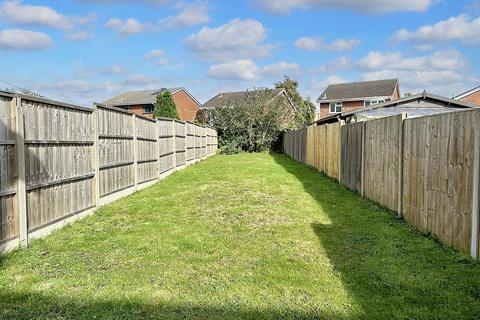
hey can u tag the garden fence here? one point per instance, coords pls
(424, 168)
(59, 162)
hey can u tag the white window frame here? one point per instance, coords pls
(372, 102)
(336, 106)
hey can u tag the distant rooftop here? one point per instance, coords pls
(365, 89)
(226, 98)
(138, 97)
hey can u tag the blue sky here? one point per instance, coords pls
(90, 50)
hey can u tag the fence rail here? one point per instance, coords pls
(427, 169)
(58, 162)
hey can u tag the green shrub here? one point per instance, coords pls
(165, 106)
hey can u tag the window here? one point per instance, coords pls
(335, 107)
(148, 108)
(368, 103)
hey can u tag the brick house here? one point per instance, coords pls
(345, 97)
(470, 96)
(143, 102)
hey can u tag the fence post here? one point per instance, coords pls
(96, 154)
(157, 146)
(135, 156)
(174, 138)
(342, 123)
(21, 183)
(400, 166)
(475, 190)
(362, 187)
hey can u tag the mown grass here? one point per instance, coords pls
(240, 237)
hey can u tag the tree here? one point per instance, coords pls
(253, 123)
(201, 117)
(165, 106)
(305, 109)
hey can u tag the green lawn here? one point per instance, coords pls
(240, 237)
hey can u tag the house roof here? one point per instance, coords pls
(467, 93)
(226, 98)
(142, 97)
(416, 105)
(354, 90)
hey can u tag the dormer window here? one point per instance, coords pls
(335, 107)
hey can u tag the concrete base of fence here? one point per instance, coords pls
(115, 196)
(144, 185)
(9, 245)
(53, 227)
(166, 174)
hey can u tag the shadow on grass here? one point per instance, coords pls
(389, 268)
(37, 306)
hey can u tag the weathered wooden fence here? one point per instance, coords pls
(425, 168)
(58, 162)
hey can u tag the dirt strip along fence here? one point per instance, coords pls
(424, 168)
(59, 162)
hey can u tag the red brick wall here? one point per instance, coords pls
(186, 107)
(346, 106)
(138, 110)
(473, 98)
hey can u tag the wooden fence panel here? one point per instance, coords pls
(190, 142)
(180, 144)
(319, 135)
(9, 224)
(381, 162)
(332, 150)
(166, 145)
(351, 155)
(310, 147)
(59, 167)
(116, 161)
(198, 143)
(203, 130)
(147, 154)
(438, 175)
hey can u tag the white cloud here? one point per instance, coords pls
(113, 69)
(235, 70)
(460, 28)
(190, 15)
(238, 39)
(246, 69)
(38, 15)
(342, 45)
(80, 36)
(154, 54)
(24, 40)
(159, 57)
(116, 2)
(309, 44)
(126, 27)
(442, 72)
(281, 68)
(317, 44)
(333, 66)
(370, 6)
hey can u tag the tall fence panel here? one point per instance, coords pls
(190, 142)
(198, 143)
(116, 152)
(166, 145)
(352, 155)
(438, 175)
(382, 160)
(147, 154)
(59, 169)
(59, 161)
(310, 147)
(319, 148)
(9, 219)
(332, 150)
(180, 144)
